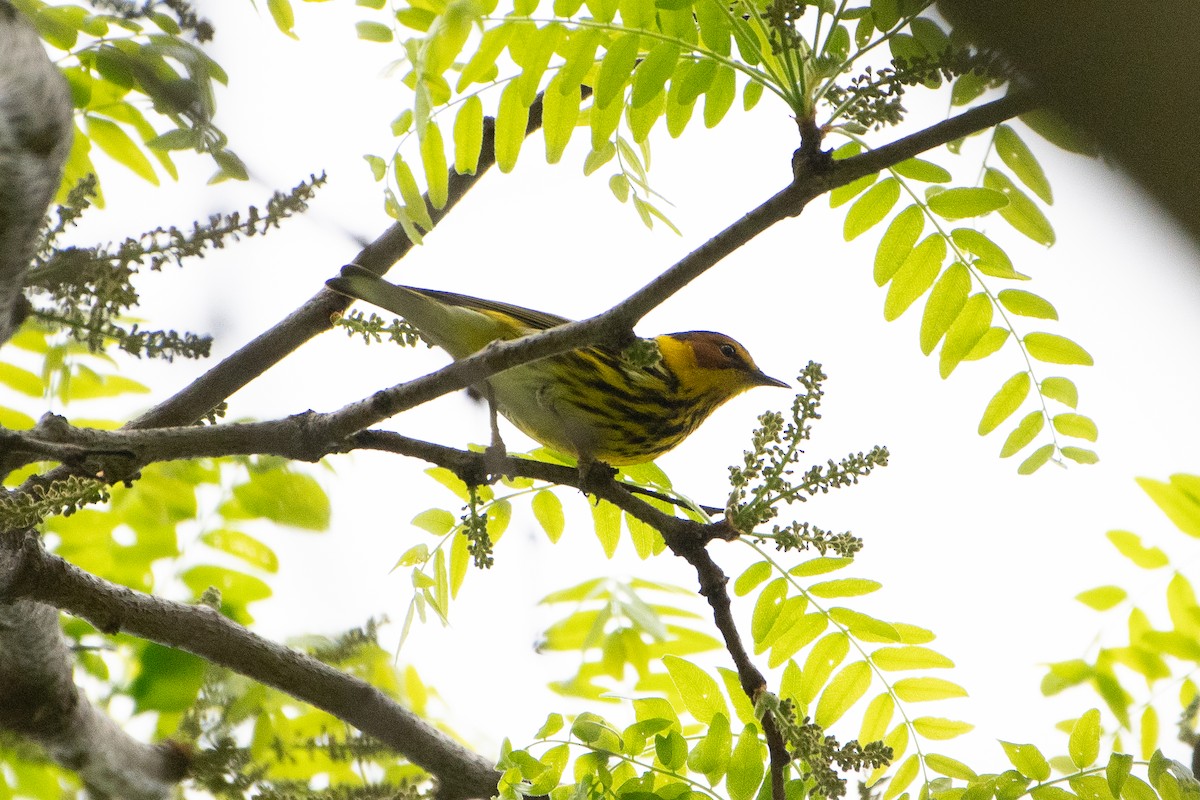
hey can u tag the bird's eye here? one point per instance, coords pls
(728, 351)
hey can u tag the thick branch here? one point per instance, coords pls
(33, 574)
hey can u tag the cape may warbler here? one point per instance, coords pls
(589, 403)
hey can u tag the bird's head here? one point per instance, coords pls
(709, 363)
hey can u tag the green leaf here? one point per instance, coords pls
(700, 693)
(947, 299)
(1176, 501)
(1061, 389)
(1028, 760)
(865, 627)
(243, 546)
(1054, 349)
(906, 657)
(755, 574)
(897, 243)
(1036, 460)
(1083, 745)
(289, 498)
(118, 146)
(512, 117)
(821, 565)
(991, 259)
(606, 520)
(920, 170)
(560, 115)
(1006, 401)
(711, 755)
(1117, 771)
(652, 73)
(1080, 455)
(824, 657)
(870, 209)
(616, 68)
(378, 167)
(951, 768)
(923, 690)
(915, 276)
(798, 635)
(767, 608)
(21, 380)
(285, 18)
(751, 94)
(1025, 432)
(847, 192)
(746, 765)
(940, 728)
(433, 158)
(965, 332)
(1021, 212)
(468, 136)
(720, 95)
(1102, 598)
(671, 750)
(1027, 304)
(962, 202)
(547, 510)
(845, 587)
(903, 777)
(1017, 156)
(876, 718)
(1130, 545)
(846, 689)
(373, 31)
(168, 680)
(886, 14)
(1076, 425)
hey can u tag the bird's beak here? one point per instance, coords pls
(764, 379)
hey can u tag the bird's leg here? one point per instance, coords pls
(496, 453)
(592, 475)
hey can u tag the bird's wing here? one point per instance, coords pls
(459, 324)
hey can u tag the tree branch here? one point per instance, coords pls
(35, 137)
(27, 571)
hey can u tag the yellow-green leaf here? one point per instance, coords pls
(373, 31)
(118, 146)
(433, 158)
(922, 690)
(1102, 598)
(845, 587)
(965, 332)
(1083, 745)
(547, 510)
(1028, 760)
(1180, 506)
(966, 201)
(1061, 389)
(1006, 401)
(846, 689)
(951, 768)
(1028, 428)
(1036, 460)
(700, 693)
(1027, 304)
(1076, 425)
(870, 209)
(876, 718)
(1017, 156)
(1020, 212)
(1130, 545)
(512, 117)
(1054, 349)
(947, 299)
(940, 728)
(746, 765)
(895, 659)
(915, 276)
(897, 242)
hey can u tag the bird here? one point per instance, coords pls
(590, 403)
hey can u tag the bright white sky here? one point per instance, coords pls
(987, 559)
